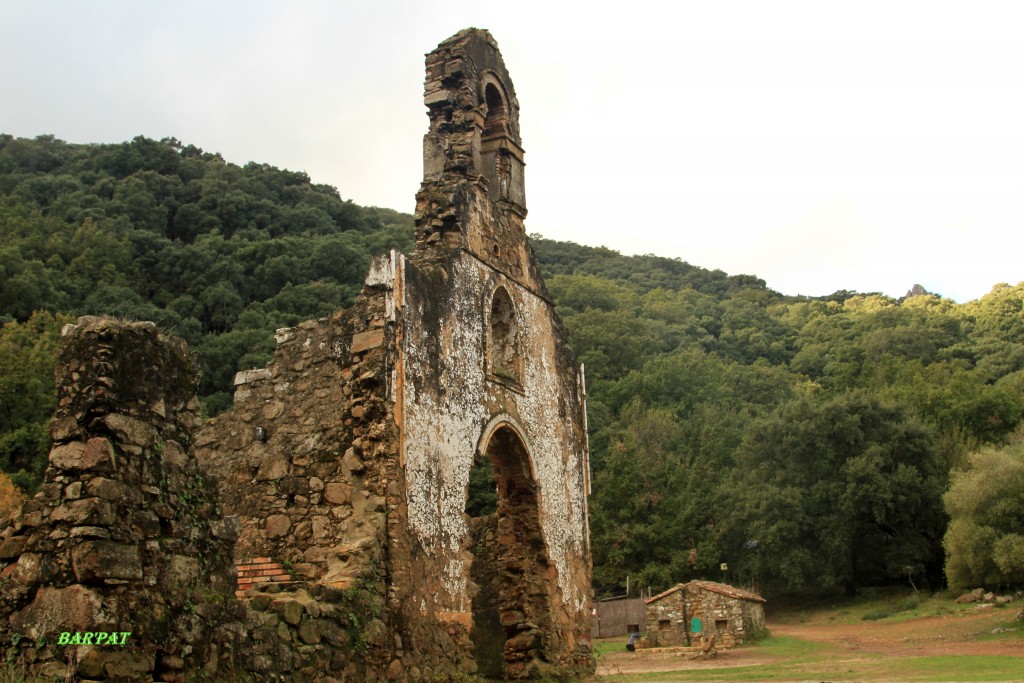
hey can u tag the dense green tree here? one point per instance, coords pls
(985, 540)
(841, 492)
(694, 376)
(28, 355)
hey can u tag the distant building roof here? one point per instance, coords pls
(712, 586)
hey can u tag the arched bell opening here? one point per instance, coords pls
(496, 119)
(511, 569)
(495, 155)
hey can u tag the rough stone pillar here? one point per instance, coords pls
(124, 537)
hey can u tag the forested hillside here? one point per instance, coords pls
(804, 442)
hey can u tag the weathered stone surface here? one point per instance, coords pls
(96, 454)
(395, 670)
(290, 610)
(106, 560)
(108, 489)
(309, 631)
(367, 340)
(173, 455)
(273, 466)
(278, 525)
(12, 547)
(94, 511)
(132, 431)
(338, 493)
(254, 375)
(182, 571)
(26, 572)
(74, 608)
(126, 665)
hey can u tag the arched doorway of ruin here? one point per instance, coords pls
(510, 573)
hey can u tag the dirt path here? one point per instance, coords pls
(954, 634)
(666, 659)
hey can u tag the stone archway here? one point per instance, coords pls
(511, 569)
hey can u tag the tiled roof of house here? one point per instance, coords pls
(729, 591)
(659, 596)
(712, 586)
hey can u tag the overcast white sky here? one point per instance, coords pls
(819, 145)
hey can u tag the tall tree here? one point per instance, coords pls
(840, 492)
(985, 541)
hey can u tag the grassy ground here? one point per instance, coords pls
(885, 636)
(870, 605)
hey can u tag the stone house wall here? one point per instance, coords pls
(668, 621)
(734, 616)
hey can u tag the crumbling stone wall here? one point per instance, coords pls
(125, 534)
(304, 458)
(343, 465)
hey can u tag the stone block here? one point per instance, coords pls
(12, 547)
(73, 491)
(272, 467)
(121, 665)
(256, 374)
(338, 493)
(27, 571)
(309, 631)
(108, 489)
(352, 462)
(227, 528)
(278, 525)
(367, 340)
(290, 610)
(131, 431)
(85, 511)
(174, 455)
(181, 571)
(146, 523)
(106, 560)
(97, 454)
(75, 608)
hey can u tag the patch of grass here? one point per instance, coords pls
(605, 646)
(907, 605)
(12, 673)
(836, 664)
(786, 646)
(871, 604)
(1014, 631)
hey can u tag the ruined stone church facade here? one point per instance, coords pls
(450, 356)
(343, 469)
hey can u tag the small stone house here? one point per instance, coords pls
(687, 611)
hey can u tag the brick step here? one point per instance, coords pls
(258, 570)
(261, 570)
(260, 566)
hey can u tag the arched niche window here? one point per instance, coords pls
(494, 124)
(504, 352)
(494, 154)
